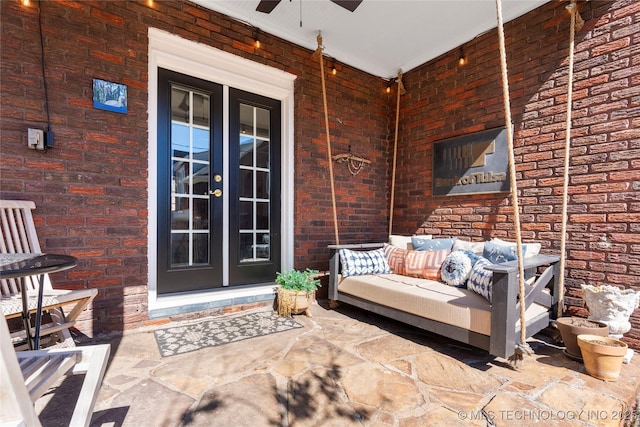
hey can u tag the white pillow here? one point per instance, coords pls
(475, 247)
(531, 249)
(404, 242)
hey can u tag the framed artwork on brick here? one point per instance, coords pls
(475, 163)
(109, 96)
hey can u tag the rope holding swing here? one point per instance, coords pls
(522, 348)
(401, 91)
(319, 53)
(576, 21)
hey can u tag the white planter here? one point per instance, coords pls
(611, 305)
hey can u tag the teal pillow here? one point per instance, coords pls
(422, 244)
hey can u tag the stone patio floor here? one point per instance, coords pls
(346, 367)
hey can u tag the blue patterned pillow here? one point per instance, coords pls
(355, 263)
(498, 254)
(481, 280)
(422, 244)
(456, 269)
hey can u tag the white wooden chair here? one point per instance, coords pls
(18, 235)
(27, 375)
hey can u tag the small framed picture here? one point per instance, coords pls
(109, 96)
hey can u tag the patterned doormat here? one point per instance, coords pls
(214, 332)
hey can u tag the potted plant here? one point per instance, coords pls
(602, 356)
(571, 327)
(296, 291)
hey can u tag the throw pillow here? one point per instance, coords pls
(498, 254)
(395, 258)
(529, 249)
(403, 242)
(481, 280)
(425, 264)
(456, 269)
(356, 263)
(421, 244)
(476, 247)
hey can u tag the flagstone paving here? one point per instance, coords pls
(346, 367)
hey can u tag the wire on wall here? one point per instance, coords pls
(49, 137)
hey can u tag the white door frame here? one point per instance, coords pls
(205, 62)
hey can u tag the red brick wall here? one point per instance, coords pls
(91, 189)
(445, 100)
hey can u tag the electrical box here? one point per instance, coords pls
(35, 139)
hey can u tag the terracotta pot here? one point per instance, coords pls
(571, 327)
(602, 356)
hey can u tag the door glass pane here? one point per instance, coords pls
(180, 102)
(190, 156)
(179, 140)
(246, 215)
(262, 154)
(262, 184)
(245, 185)
(254, 186)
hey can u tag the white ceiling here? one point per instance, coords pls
(381, 36)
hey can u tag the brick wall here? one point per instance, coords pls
(445, 100)
(91, 189)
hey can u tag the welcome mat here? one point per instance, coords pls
(214, 332)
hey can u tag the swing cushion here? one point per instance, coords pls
(355, 263)
(481, 280)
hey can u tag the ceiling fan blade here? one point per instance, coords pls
(266, 6)
(350, 5)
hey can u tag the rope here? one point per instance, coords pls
(326, 121)
(573, 10)
(522, 347)
(401, 91)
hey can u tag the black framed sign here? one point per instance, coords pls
(471, 164)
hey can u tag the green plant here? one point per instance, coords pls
(297, 280)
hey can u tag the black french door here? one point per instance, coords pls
(203, 185)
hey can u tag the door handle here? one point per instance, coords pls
(216, 193)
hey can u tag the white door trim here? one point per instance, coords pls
(205, 62)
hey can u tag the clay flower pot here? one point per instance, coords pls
(602, 356)
(571, 327)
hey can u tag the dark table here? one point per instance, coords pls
(13, 266)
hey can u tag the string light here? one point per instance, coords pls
(150, 3)
(256, 38)
(26, 2)
(334, 71)
(462, 60)
(389, 86)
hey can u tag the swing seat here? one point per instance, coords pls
(456, 313)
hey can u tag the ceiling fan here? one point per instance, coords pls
(266, 6)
